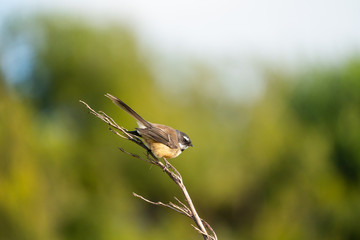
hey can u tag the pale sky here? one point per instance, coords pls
(261, 27)
(275, 30)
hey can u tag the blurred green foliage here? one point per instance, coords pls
(286, 166)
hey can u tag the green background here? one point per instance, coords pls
(284, 166)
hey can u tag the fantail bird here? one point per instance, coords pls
(163, 141)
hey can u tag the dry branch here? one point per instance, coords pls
(188, 210)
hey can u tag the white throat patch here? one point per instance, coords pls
(182, 146)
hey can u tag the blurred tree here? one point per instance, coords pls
(284, 167)
(79, 189)
(331, 104)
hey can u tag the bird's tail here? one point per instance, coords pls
(141, 122)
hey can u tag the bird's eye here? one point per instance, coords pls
(186, 139)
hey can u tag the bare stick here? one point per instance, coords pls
(189, 211)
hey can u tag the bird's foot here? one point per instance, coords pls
(166, 165)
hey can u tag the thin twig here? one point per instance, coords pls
(170, 170)
(175, 208)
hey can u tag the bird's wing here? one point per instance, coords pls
(158, 135)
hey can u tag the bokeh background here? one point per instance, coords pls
(269, 92)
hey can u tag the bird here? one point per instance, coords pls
(163, 141)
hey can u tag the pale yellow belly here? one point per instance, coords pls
(162, 151)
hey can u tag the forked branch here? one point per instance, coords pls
(188, 210)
